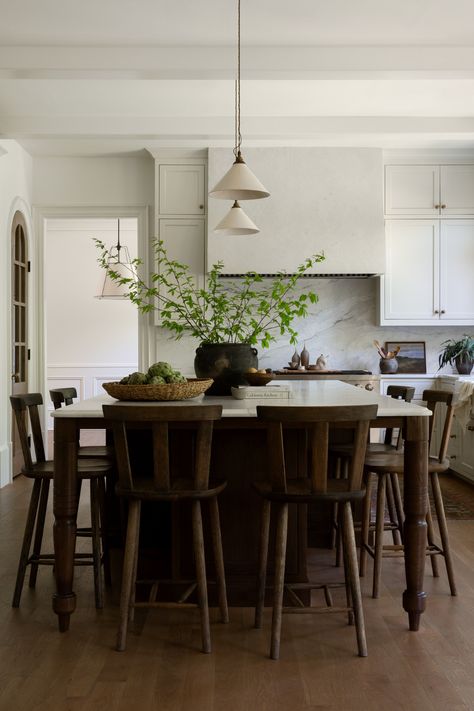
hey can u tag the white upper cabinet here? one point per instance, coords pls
(457, 271)
(429, 190)
(411, 288)
(429, 273)
(412, 190)
(457, 190)
(182, 189)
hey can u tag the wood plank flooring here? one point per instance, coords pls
(42, 670)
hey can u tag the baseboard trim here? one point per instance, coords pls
(5, 465)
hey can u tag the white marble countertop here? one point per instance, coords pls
(312, 393)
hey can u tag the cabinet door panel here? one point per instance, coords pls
(412, 190)
(181, 190)
(411, 279)
(184, 241)
(457, 270)
(457, 190)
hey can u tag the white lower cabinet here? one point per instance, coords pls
(428, 277)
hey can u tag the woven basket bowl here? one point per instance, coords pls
(168, 391)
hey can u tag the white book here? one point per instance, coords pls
(267, 392)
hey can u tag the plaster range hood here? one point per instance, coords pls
(322, 200)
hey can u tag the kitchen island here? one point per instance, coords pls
(239, 455)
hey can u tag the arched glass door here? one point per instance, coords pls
(19, 301)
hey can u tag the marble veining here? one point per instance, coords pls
(342, 325)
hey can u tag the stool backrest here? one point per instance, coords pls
(316, 421)
(432, 398)
(62, 395)
(157, 418)
(398, 392)
(21, 404)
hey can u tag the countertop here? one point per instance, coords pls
(312, 393)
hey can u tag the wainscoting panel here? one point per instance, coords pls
(87, 378)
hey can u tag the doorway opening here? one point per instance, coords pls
(89, 341)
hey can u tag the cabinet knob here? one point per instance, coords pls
(369, 386)
(452, 436)
(436, 311)
(443, 207)
(453, 456)
(470, 428)
(201, 207)
(437, 206)
(442, 311)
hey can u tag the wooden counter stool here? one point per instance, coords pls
(390, 464)
(42, 472)
(281, 491)
(156, 482)
(66, 396)
(392, 488)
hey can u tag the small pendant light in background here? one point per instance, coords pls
(119, 261)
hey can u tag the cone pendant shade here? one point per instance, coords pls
(236, 222)
(239, 183)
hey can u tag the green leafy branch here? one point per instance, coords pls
(251, 310)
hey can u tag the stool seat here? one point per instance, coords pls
(86, 469)
(144, 488)
(299, 491)
(93, 451)
(392, 462)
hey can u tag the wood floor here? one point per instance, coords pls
(162, 669)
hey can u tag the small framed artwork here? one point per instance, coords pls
(411, 357)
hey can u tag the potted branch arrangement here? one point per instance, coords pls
(229, 317)
(459, 353)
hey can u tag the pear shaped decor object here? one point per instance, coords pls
(304, 357)
(295, 360)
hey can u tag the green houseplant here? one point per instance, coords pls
(229, 317)
(460, 353)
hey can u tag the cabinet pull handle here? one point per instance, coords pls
(443, 207)
(437, 207)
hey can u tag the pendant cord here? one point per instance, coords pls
(238, 134)
(119, 246)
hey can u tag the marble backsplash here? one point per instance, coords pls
(342, 326)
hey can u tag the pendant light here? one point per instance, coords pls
(239, 183)
(236, 222)
(122, 266)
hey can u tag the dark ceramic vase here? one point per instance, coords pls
(388, 365)
(225, 363)
(464, 365)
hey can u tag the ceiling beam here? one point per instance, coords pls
(262, 62)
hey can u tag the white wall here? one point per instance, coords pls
(93, 181)
(15, 194)
(88, 341)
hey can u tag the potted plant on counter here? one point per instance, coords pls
(460, 353)
(229, 317)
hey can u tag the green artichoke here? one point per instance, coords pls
(156, 380)
(161, 368)
(137, 379)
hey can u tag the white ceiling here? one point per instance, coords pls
(118, 76)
